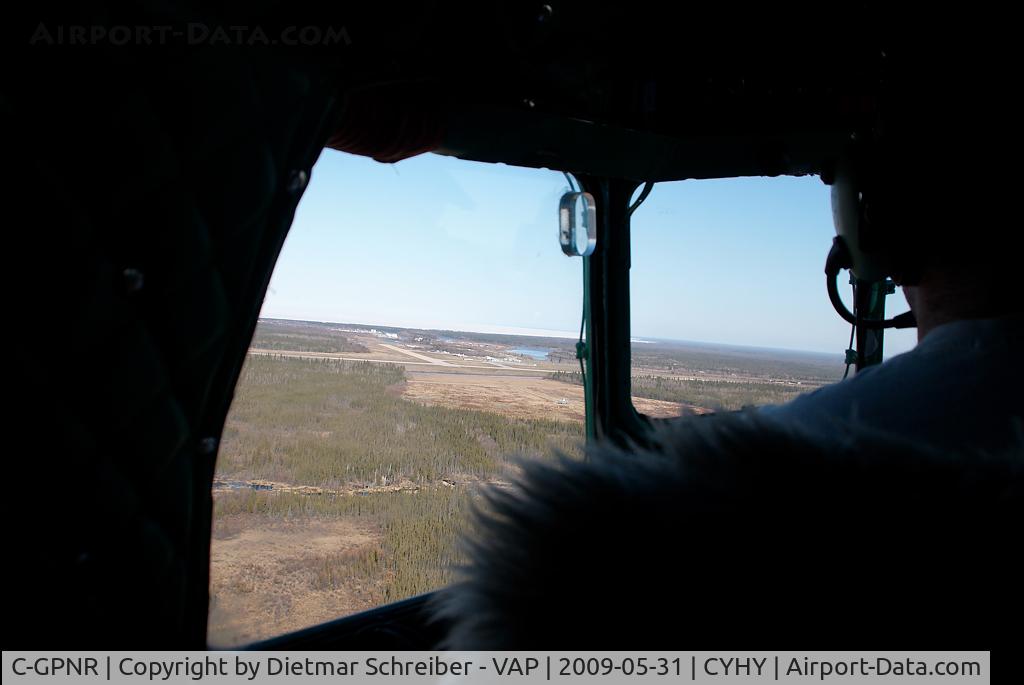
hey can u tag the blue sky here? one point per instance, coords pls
(437, 242)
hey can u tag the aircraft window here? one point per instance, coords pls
(407, 344)
(728, 306)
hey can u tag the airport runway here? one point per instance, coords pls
(430, 361)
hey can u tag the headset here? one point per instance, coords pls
(863, 243)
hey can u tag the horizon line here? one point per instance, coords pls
(552, 333)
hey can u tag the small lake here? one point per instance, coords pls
(532, 352)
(229, 484)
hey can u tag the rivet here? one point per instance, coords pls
(297, 180)
(133, 280)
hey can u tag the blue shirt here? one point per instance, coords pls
(962, 386)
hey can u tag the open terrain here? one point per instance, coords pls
(535, 397)
(268, 574)
(351, 452)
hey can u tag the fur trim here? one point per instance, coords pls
(736, 531)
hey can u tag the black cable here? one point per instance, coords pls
(583, 370)
(849, 349)
(838, 259)
(568, 178)
(580, 345)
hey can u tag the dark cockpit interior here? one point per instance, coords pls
(159, 152)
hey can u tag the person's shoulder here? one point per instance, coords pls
(971, 334)
(837, 399)
(942, 351)
(958, 386)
